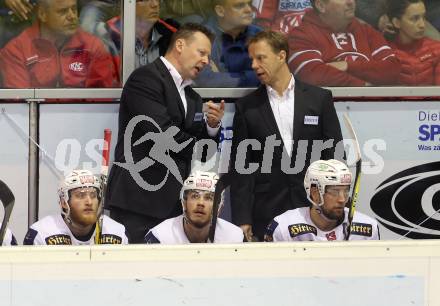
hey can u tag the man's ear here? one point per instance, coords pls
(282, 56)
(63, 203)
(319, 4)
(41, 14)
(314, 194)
(219, 10)
(395, 22)
(179, 44)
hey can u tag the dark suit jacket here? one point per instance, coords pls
(150, 91)
(257, 198)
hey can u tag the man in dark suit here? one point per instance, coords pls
(292, 122)
(160, 119)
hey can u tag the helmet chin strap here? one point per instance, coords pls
(194, 226)
(186, 219)
(69, 220)
(322, 213)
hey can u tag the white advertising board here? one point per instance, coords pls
(399, 140)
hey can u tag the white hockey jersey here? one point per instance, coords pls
(171, 231)
(53, 230)
(9, 238)
(296, 225)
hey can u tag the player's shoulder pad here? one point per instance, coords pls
(363, 225)
(110, 239)
(30, 237)
(58, 239)
(361, 229)
(301, 229)
(150, 238)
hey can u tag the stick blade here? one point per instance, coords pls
(6, 195)
(7, 198)
(350, 129)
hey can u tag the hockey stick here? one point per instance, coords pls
(104, 174)
(357, 178)
(8, 200)
(224, 181)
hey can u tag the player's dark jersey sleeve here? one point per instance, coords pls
(150, 238)
(268, 235)
(30, 237)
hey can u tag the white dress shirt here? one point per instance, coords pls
(180, 85)
(282, 108)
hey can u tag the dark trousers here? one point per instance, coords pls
(137, 225)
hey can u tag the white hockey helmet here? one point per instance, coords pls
(323, 173)
(199, 180)
(78, 179)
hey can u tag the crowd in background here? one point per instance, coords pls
(78, 43)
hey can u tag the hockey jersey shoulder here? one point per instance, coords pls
(298, 215)
(226, 232)
(170, 231)
(364, 227)
(48, 223)
(51, 230)
(289, 225)
(9, 238)
(113, 232)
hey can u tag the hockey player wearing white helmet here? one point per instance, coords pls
(80, 195)
(327, 184)
(197, 196)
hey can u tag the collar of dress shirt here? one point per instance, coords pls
(153, 40)
(273, 93)
(178, 80)
(155, 36)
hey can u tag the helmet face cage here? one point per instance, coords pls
(199, 180)
(323, 173)
(77, 179)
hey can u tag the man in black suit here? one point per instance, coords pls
(270, 173)
(160, 119)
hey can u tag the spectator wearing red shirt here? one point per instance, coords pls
(333, 48)
(419, 55)
(55, 52)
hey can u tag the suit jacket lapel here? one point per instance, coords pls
(171, 85)
(267, 112)
(299, 107)
(191, 107)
